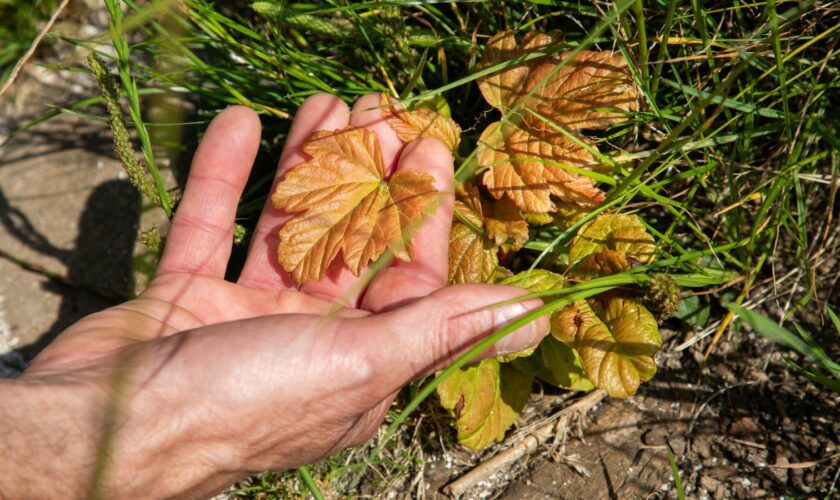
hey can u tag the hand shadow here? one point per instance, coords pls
(99, 267)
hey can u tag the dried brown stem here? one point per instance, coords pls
(32, 48)
(524, 447)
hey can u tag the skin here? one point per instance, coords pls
(200, 382)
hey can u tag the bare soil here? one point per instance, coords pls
(741, 425)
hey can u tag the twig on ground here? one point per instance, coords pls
(32, 48)
(524, 447)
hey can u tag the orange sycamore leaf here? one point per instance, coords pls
(474, 246)
(591, 90)
(505, 226)
(344, 205)
(422, 122)
(473, 258)
(527, 157)
(504, 88)
(529, 168)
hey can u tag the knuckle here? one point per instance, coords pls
(199, 224)
(442, 340)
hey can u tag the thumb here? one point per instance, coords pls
(432, 332)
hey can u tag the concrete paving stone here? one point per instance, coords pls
(67, 208)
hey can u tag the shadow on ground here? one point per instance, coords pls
(99, 266)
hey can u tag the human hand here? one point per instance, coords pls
(200, 381)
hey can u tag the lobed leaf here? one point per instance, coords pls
(346, 204)
(591, 90)
(616, 338)
(485, 400)
(527, 157)
(503, 89)
(474, 245)
(530, 168)
(611, 243)
(422, 122)
(536, 280)
(557, 364)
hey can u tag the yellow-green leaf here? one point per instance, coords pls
(485, 400)
(567, 215)
(537, 218)
(564, 365)
(557, 364)
(618, 232)
(616, 338)
(603, 263)
(536, 280)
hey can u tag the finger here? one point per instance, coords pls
(339, 284)
(428, 271)
(432, 332)
(262, 270)
(200, 237)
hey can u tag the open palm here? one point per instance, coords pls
(262, 373)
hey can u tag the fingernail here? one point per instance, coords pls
(524, 337)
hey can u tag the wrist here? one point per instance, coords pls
(72, 440)
(48, 448)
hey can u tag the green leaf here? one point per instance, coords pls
(616, 338)
(537, 280)
(436, 103)
(834, 319)
(568, 214)
(556, 363)
(805, 346)
(565, 365)
(830, 383)
(596, 248)
(693, 309)
(485, 400)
